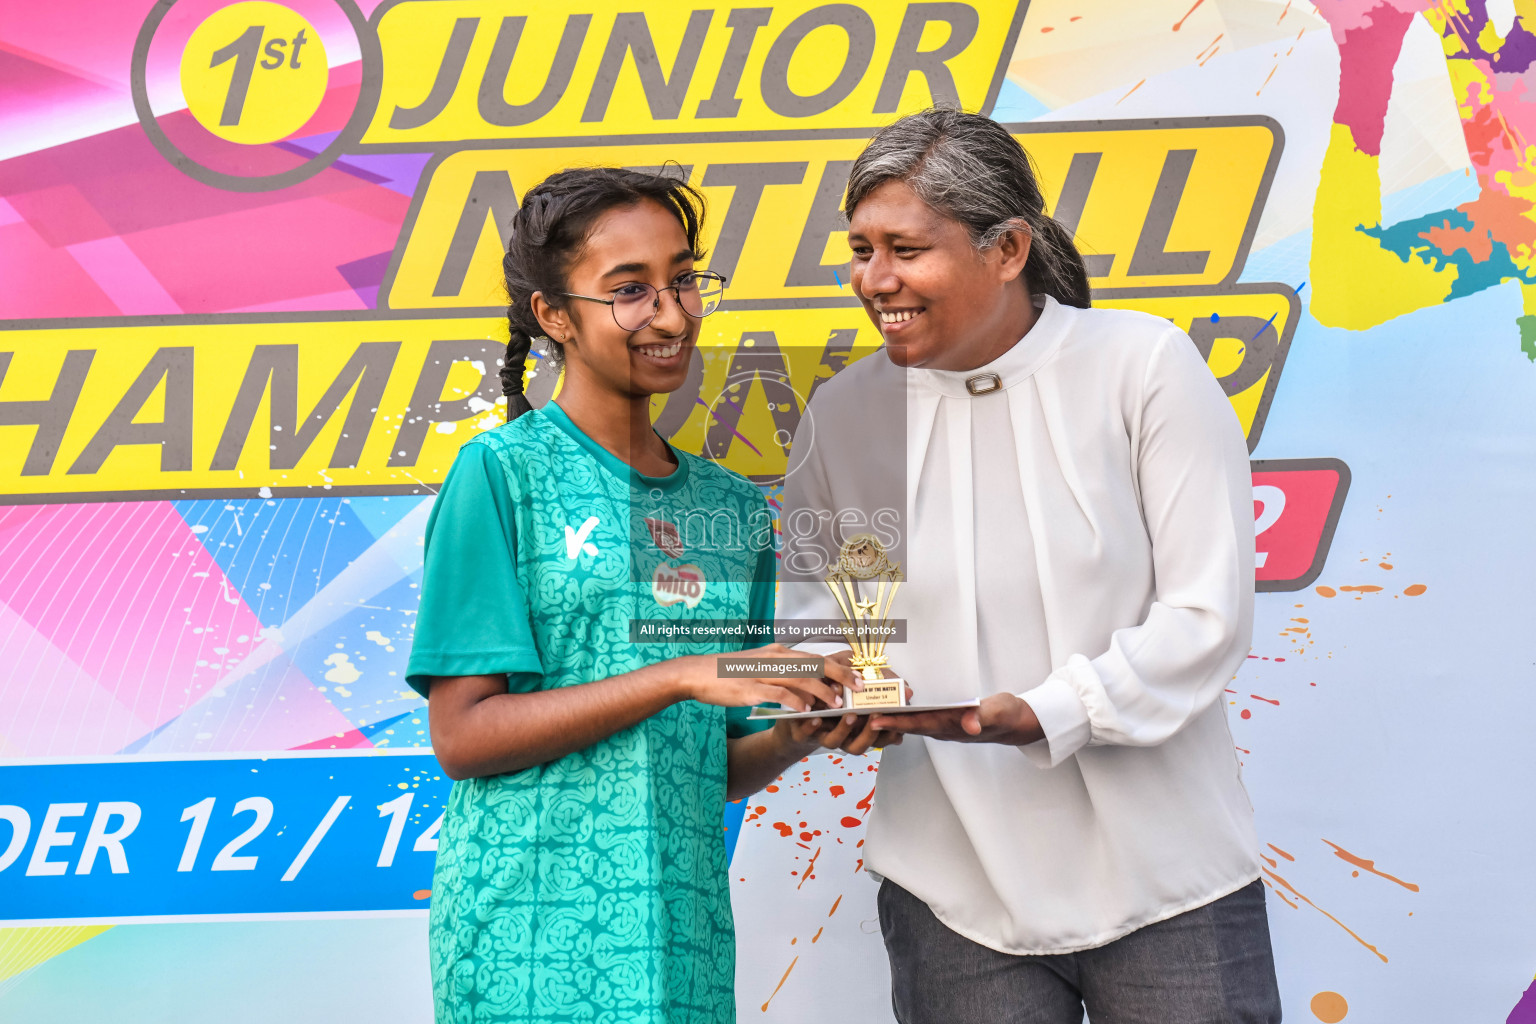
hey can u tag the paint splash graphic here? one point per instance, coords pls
(1352, 934)
(784, 813)
(1329, 1007)
(1368, 865)
(1281, 886)
(1367, 273)
(781, 982)
(1525, 1010)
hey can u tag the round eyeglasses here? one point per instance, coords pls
(636, 304)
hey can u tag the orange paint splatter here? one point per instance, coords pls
(818, 934)
(1329, 1007)
(1367, 588)
(1478, 244)
(1133, 88)
(837, 791)
(809, 867)
(772, 789)
(1284, 12)
(1368, 865)
(781, 982)
(784, 830)
(865, 804)
(1267, 78)
(1281, 852)
(849, 821)
(422, 894)
(1180, 23)
(1503, 215)
(1292, 889)
(1266, 700)
(834, 906)
(1048, 28)
(1327, 592)
(1415, 590)
(1283, 897)
(1384, 565)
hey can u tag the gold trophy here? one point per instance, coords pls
(866, 620)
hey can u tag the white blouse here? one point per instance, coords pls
(1082, 537)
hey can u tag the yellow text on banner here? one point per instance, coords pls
(1168, 207)
(470, 70)
(279, 406)
(242, 405)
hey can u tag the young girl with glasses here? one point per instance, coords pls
(580, 870)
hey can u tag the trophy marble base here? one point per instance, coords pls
(889, 692)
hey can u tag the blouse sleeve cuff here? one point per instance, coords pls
(1063, 718)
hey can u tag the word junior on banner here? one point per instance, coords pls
(455, 71)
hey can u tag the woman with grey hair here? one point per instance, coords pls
(1078, 545)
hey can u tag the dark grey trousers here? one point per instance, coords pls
(1210, 965)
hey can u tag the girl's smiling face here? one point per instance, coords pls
(938, 302)
(627, 247)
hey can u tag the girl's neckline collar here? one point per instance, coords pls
(611, 462)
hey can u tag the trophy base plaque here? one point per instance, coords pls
(905, 709)
(889, 692)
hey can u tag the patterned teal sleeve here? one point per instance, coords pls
(474, 617)
(764, 581)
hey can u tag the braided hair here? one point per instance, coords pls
(548, 233)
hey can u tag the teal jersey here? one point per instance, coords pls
(594, 887)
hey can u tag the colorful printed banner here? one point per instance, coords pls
(123, 839)
(1297, 506)
(674, 71)
(284, 405)
(250, 307)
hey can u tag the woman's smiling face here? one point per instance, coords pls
(628, 246)
(936, 300)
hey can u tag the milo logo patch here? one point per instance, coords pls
(682, 584)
